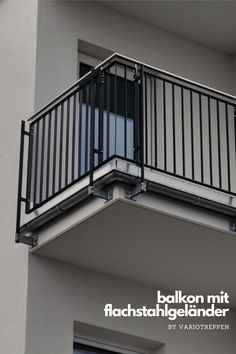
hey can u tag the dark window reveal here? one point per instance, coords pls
(84, 69)
(115, 90)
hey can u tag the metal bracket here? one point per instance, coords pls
(101, 193)
(139, 188)
(31, 240)
(232, 225)
(28, 133)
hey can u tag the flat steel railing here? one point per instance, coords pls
(128, 109)
(189, 131)
(77, 133)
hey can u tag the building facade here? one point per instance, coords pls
(127, 178)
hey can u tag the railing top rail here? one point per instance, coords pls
(177, 77)
(73, 87)
(112, 59)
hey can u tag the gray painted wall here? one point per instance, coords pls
(62, 23)
(60, 294)
(17, 77)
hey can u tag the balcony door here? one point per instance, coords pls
(114, 134)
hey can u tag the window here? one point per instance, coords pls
(84, 69)
(118, 118)
(86, 349)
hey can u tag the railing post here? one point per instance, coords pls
(20, 177)
(136, 114)
(139, 118)
(29, 170)
(92, 129)
(139, 132)
(101, 113)
(141, 123)
(91, 188)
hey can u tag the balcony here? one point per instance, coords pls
(129, 122)
(133, 160)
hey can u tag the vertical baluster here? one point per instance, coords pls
(42, 161)
(173, 124)
(67, 142)
(73, 138)
(141, 123)
(54, 153)
(219, 143)
(92, 129)
(48, 153)
(20, 178)
(87, 127)
(125, 123)
(227, 146)
(80, 152)
(146, 120)
(36, 127)
(155, 118)
(183, 129)
(101, 114)
(209, 136)
(61, 145)
(29, 170)
(192, 134)
(151, 125)
(201, 138)
(164, 123)
(108, 116)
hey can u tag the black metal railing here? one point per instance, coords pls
(189, 132)
(131, 110)
(89, 125)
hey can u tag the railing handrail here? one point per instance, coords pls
(177, 77)
(109, 61)
(71, 88)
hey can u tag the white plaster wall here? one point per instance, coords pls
(60, 294)
(62, 23)
(17, 81)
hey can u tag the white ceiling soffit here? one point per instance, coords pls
(212, 23)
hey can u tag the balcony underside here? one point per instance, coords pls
(136, 243)
(154, 239)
